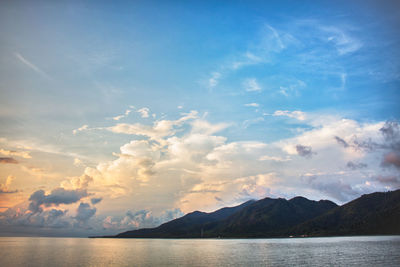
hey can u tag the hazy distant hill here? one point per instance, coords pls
(376, 213)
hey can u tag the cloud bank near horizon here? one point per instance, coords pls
(187, 164)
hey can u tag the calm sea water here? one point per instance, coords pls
(333, 251)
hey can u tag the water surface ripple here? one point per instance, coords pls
(329, 251)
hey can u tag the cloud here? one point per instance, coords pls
(117, 118)
(304, 151)
(297, 114)
(262, 49)
(133, 167)
(341, 142)
(391, 131)
(22, 154)
(201, 126)
(343, 79)
(325, 128)
(52, 218)
(144, 112)
(56, 197)
(391, 159)
(391, 134)
(141, 219)
(8, 161)
(5, 188)
(275, 39)
(336, 189)
(145, 161)
(247, 123)
(292, 87)
(251, 85)
(39, 146)
(218, 199)
(343, 41)
(79, 182)
(270, 42)
(170, 154)
(96, 200)
(272, 158)
(201, 191)
(188, 163)
(390, 144)
(392, 181)
(78, 162)
(83, 128)
(84, 212)
(246, 59)
(191, 158)
(31, 65)
(214, 79)
(355, 166)
(159, 130)
(188, 155)
(252, 105)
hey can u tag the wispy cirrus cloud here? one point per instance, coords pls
(214, 79)
(292, 87)
(269, 42)
(31, 65)
(247, 123)
(342, 40)
(297, 114)
(244, 60)
(254, 105)
(275, 37)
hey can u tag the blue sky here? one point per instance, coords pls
(182, 104)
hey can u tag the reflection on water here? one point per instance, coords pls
(334, 251)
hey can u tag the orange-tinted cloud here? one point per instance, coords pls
(8, 160)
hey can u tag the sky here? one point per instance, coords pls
(121, 115)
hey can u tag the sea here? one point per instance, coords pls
(327, 251)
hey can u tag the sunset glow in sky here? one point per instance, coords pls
(120, 115)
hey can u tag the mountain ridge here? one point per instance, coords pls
(371, 214)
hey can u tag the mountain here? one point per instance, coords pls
(266, 217)
(271, 217)
(371, 214)
(189, 225)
